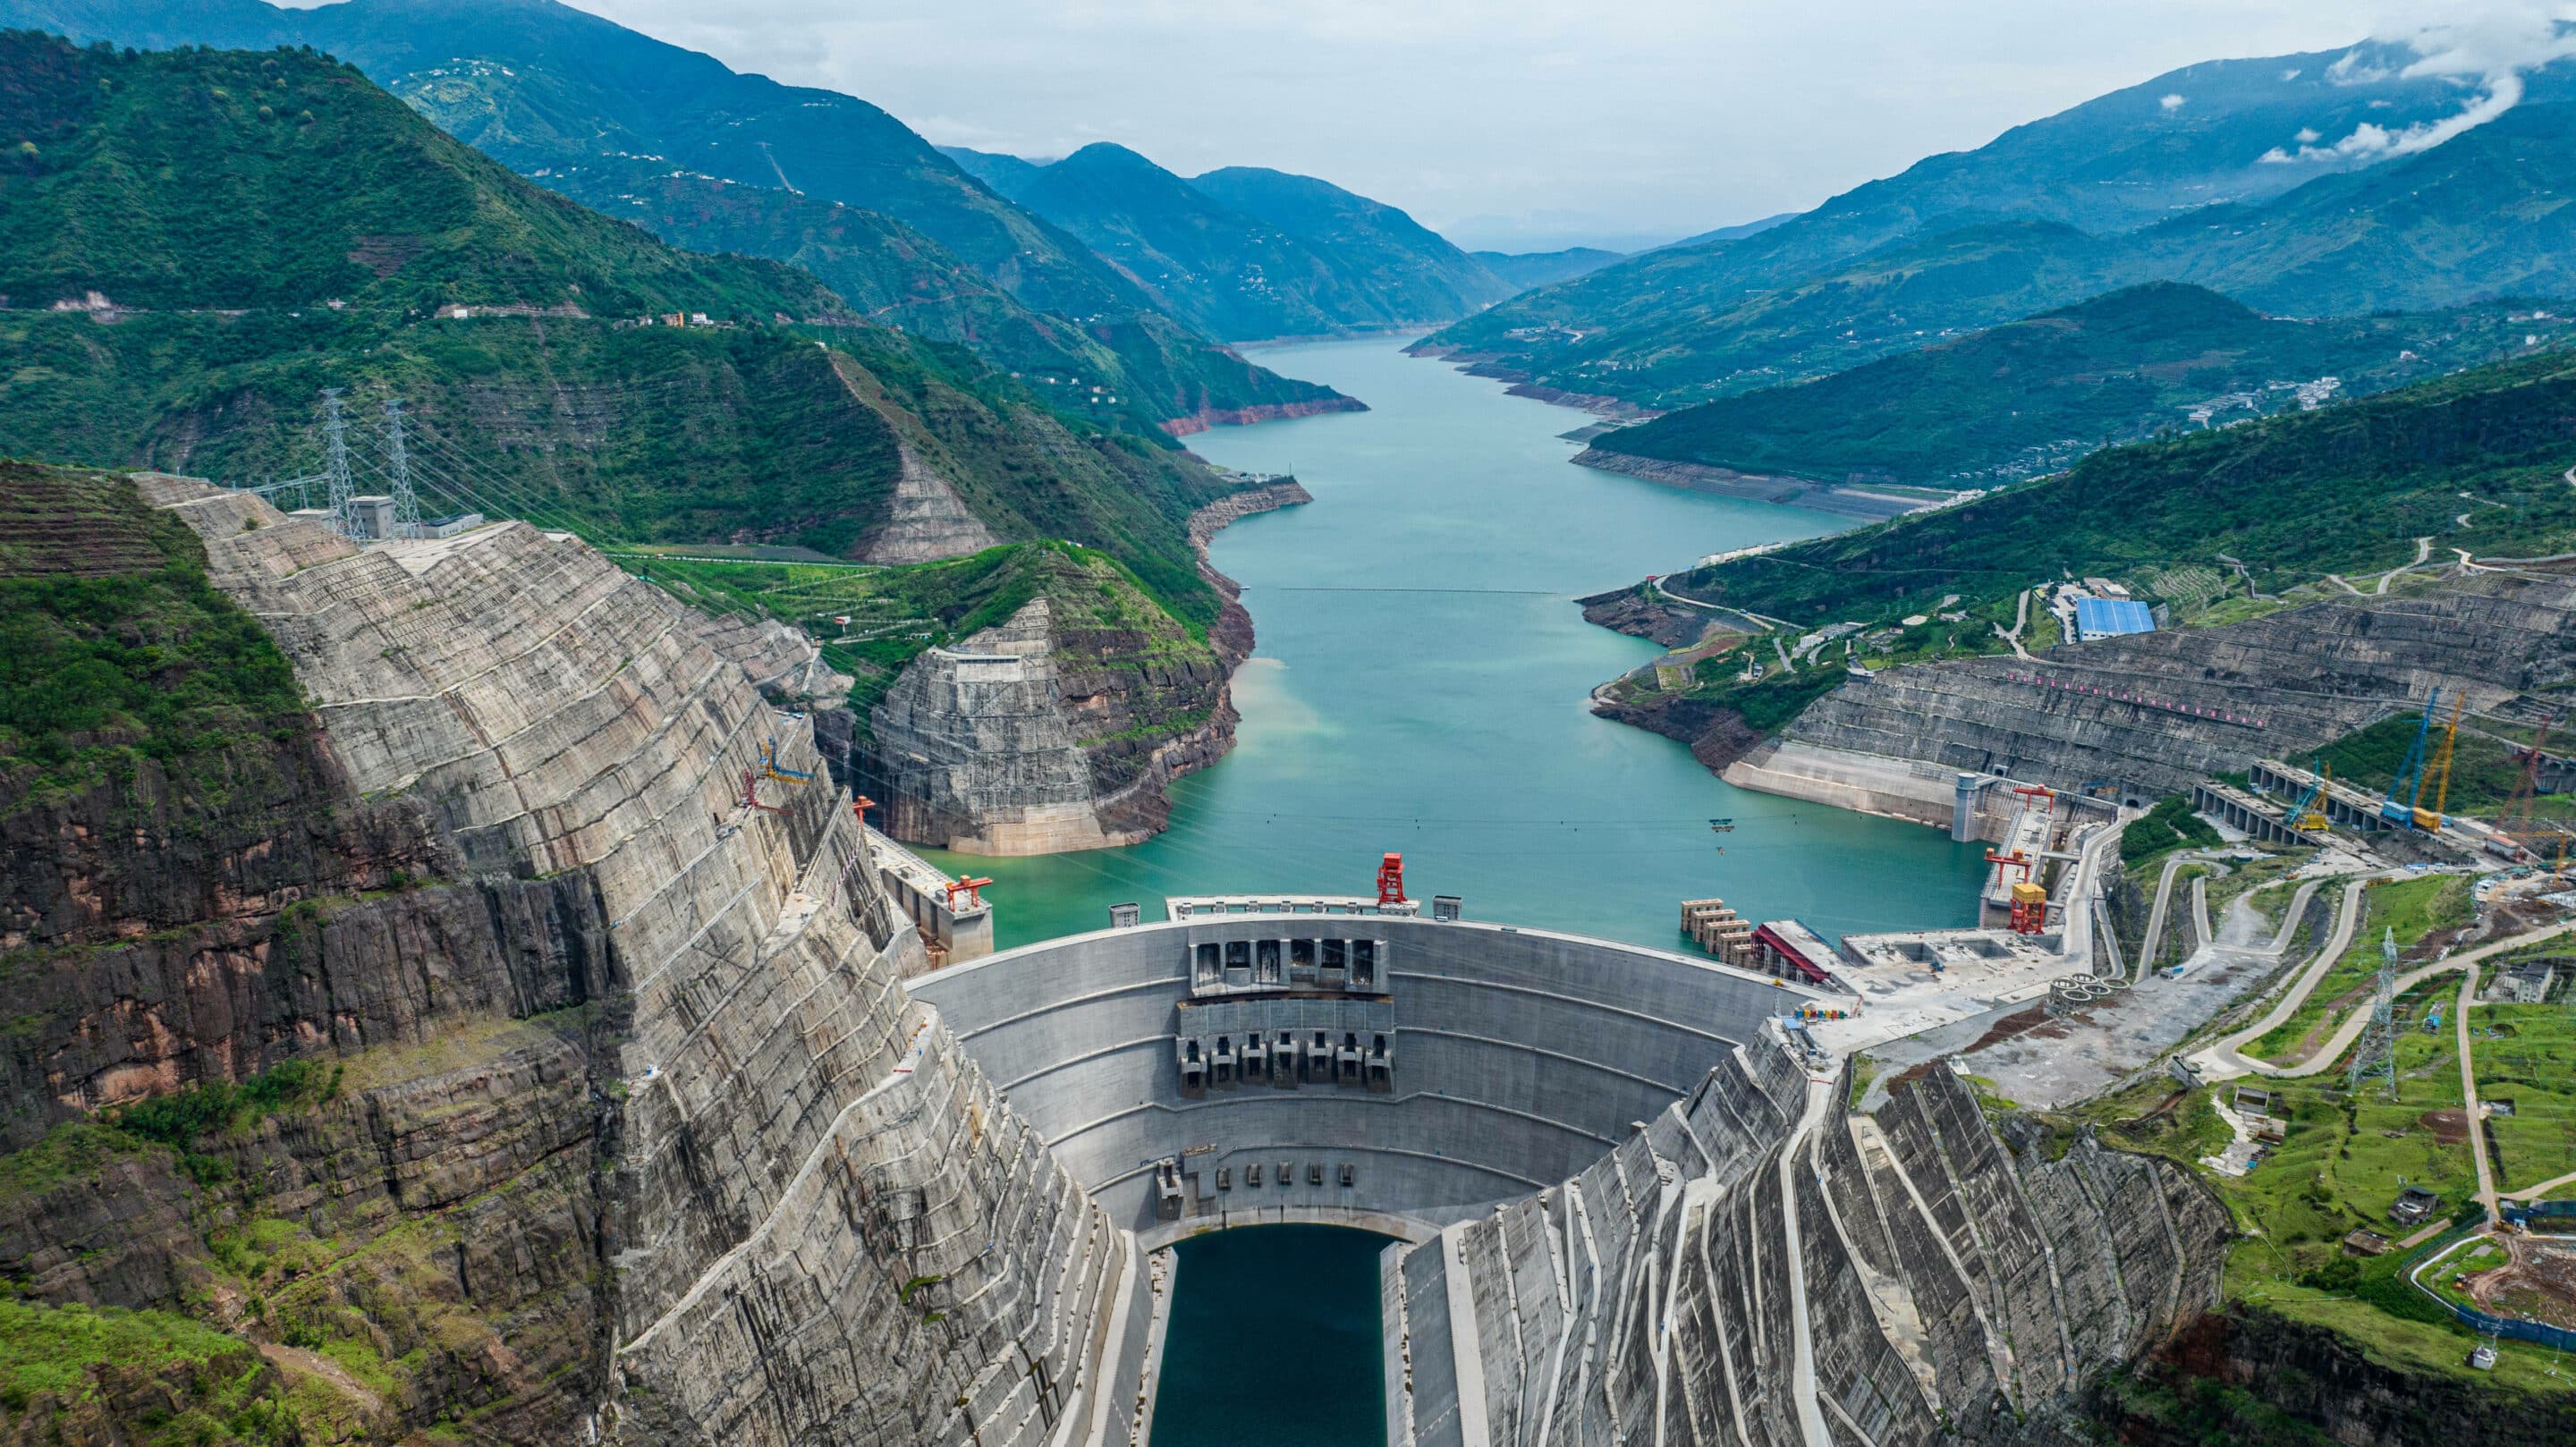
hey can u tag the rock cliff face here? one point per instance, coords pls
(1927, 1281)
(2234, 1374)
(2308, 675)
(608, 1114)
(1061, 727)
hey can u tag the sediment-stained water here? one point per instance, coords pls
(1420, 686)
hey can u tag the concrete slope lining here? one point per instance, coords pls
(808, 1174)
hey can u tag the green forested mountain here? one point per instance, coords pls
(1148, 366)
(1415, 269)
(2031, 396)
(2348, 488)
(542, 87)
(2069, 207)
(289, 182)
(1008, 175)
(1525, 269)
(1245, 252)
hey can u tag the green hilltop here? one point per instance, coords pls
(2031, 396)
(545, 400)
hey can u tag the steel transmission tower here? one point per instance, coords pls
(406, 503)
(2377, 1052)
(335, 441)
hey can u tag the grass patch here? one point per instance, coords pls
(2526, 1054)
(2170, 825)
(127, 655)
(2343, 1161)
(162, 1379)
(2413, 908)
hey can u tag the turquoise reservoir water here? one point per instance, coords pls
(1420, 685)
(1274, 1339)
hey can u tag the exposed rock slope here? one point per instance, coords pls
(628, 1125)
(1060, 727)
(2308, 675)
(1751, 1243)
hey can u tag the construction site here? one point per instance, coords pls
(1863, 1188)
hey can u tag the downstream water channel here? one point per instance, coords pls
(1420, 685)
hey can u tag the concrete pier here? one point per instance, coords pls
(954, 927)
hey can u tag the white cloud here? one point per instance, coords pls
(2488, 42)
(2171, 102)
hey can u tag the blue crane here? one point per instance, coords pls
(2410, 774)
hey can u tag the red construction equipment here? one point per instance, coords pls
(751, 794)
(2045, 795)
(2029, 900)
(2029, 908)
(1390, 880)
(970, 888)
(860, 805)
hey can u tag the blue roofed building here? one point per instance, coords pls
(2111, 617)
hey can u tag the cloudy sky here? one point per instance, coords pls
(1522, 124)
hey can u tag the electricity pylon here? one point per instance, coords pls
(2377, 1052)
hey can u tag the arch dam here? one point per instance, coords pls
(1626, 1207)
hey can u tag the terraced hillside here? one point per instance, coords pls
(2283, 508)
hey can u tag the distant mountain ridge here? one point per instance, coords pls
(1525, 269)
(544, 88)
(2123, 189)
(1244, 251)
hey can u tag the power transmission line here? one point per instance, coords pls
(2377, 1052)
(406, 506)
(335, 441)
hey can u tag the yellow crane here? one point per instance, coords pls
(2310, 814)
(2442, 767)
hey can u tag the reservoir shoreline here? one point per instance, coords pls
(1421, 684)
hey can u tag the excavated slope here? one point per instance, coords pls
(2309, 675)
(819, 1224)
(1754, 1267)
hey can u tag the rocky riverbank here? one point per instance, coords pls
(1062, 727)
(1207, 417)
(1753, 487)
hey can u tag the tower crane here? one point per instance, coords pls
(2410, 778)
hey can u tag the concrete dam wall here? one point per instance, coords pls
(1485, 1062)
(1627, 1211)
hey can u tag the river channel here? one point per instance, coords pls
(1420, 685)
